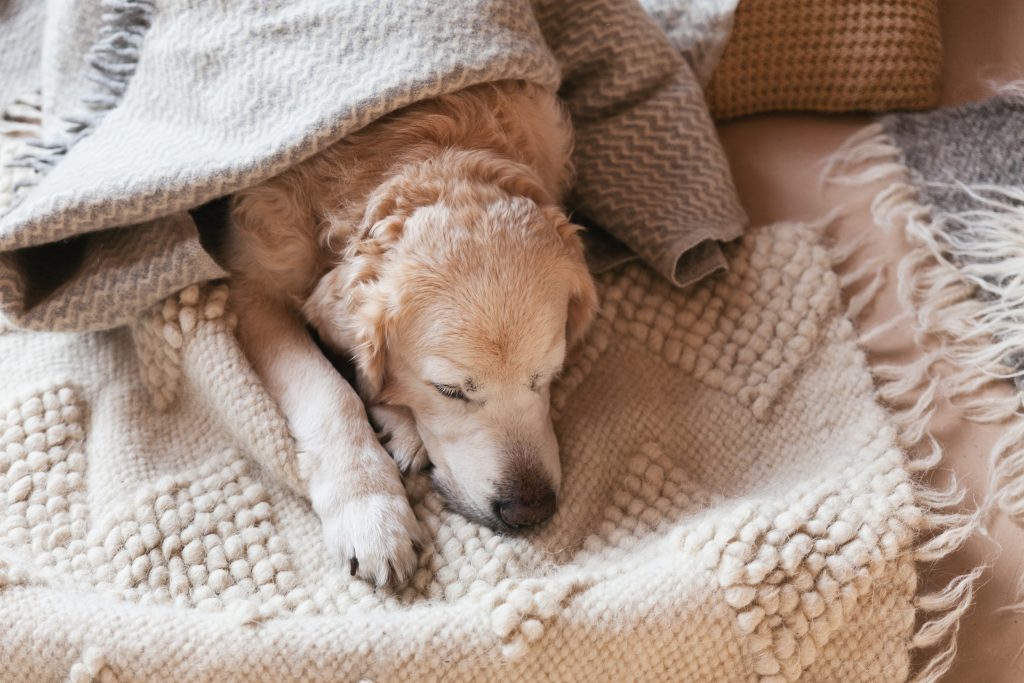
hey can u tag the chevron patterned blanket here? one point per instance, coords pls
(151, 108)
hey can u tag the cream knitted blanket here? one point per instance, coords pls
(734, 508)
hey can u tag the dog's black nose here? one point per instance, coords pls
(529, 508)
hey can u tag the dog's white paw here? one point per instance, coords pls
(375, 537)
(369, 526)
(399, 436)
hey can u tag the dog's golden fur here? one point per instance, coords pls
(431, 248)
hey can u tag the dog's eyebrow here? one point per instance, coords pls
(534, 380)
(469, 385)
(443, 371)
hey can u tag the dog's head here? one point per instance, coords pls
(461, 305)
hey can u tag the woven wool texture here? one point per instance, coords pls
(724, 515)
(830, 56)
(186, 106)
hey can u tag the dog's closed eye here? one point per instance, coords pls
(452, 392)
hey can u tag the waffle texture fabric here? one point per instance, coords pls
(153, 108)
(829, 56)
(734, 507)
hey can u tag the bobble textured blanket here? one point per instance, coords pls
(735, 505)
(734, 508)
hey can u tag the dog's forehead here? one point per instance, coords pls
(476, 362)
(507, 301)
(445, 370)
(479, 202)
(492, 306)
(465, 220)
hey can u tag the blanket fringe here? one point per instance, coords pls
(111, 63)
(23, 117)
(876, 268)
(950, 604)
(840, 253)
(941, 612)
(869, 145)
(965, 301)
(860, 301)
(20, 124)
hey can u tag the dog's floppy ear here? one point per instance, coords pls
(349, 308)
(391, 203)
(582, 293)
(515, 178)
(350, 305)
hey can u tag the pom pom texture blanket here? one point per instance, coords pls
(734, 507)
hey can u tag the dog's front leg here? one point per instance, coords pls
(354, 485)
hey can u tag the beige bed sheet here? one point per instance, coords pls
(777, 161)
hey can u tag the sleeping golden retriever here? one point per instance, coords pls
(431, 248)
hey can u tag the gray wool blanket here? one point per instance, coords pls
(152, 108)
(952, 184)
(965, 167)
